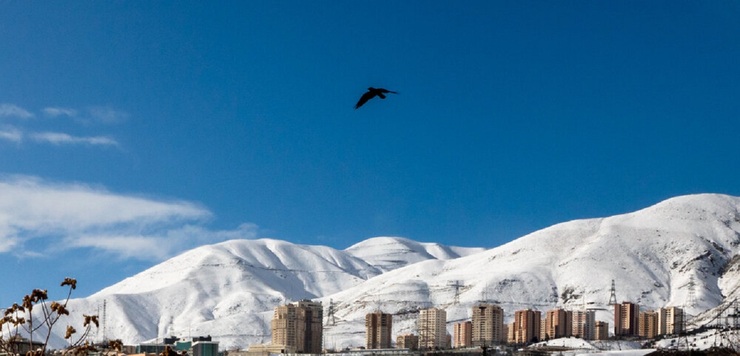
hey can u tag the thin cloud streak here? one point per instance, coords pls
(11, 134)
(59, 138)
(55, 112)
(97, 114)
(107, 115)
(11, 110)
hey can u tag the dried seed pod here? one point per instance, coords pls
(70, 332)
(69, 282)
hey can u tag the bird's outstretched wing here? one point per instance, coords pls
(364, 98)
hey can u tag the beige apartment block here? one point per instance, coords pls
(558, 323)
(510, 334)
(432, 326)
(527, 326)
(670, 321)
(378, 329)
(601, 330)
(626, 319)
(488, 325)
(584, 323)
(298, 326)
(462, 334)
(647, 324)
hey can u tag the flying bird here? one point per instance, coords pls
(371, 93)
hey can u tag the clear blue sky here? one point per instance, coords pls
(132, 131)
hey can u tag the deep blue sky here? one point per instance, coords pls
(238, 118)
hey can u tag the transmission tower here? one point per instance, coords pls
(330, 313)
(457, 286)
(613, 294)
(691, 299)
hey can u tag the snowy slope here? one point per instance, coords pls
(389, 253)
(229, 290)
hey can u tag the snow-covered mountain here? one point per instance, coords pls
(683, 251)
(389, 253)
(229, 290)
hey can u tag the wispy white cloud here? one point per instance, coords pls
(66, 217)
(97, 114)
(60, 138)
(11, 134)
(89, 115)
(11, 110)
(107, 115)
(56, 111)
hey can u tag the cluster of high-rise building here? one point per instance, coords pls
(297, 327)
(487, 327)
(630, 321)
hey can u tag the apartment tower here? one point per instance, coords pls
(601, 330)
(462, 334)
(558, 323)
(670, 321)
(378, 327)
(584, 323)
(488, 325)
(626, 319)
(647, 324)
(526, 326)
(432, 326)
(298, 326)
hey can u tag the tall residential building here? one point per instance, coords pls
(298, 326)
(558, 323)
(488, 325)
(407, 341)
(543, 330)
(510, 335)
(601, 330)
(647, 324)
(432, 326)
(378, 327)
(526, 326)
(462, 334)
(584, 322)
(625, 319)
(670, 321)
